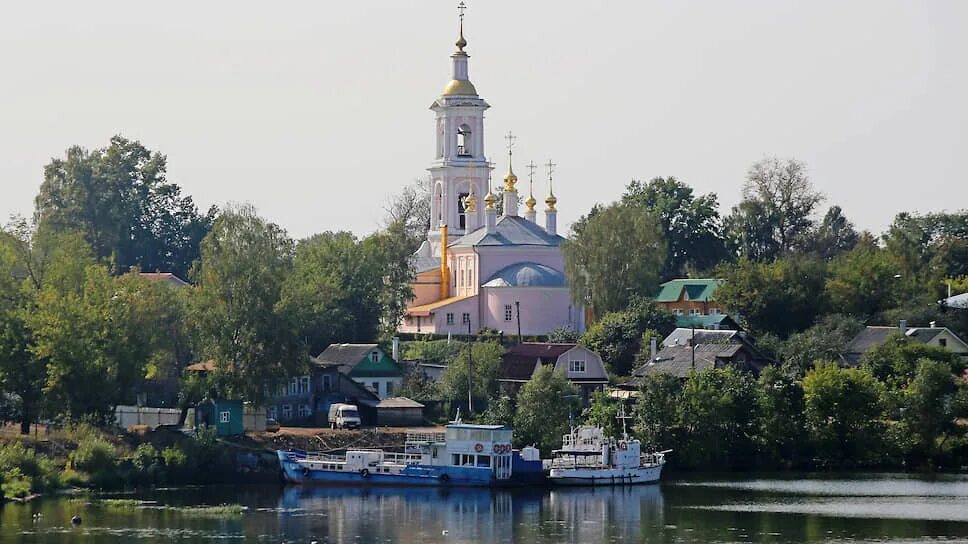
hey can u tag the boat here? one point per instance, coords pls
(463, 455)
(587, 457)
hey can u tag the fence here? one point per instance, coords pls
(129, 416)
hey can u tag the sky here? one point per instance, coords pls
(317, 112)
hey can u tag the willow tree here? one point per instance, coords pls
(614, 253)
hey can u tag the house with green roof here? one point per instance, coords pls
(693, 301)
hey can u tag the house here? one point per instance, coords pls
(222, 414)
(306, 399)
(693, 303)
(583, 367)
(873, 336)
(364, 363)
(687, 350)
(164, 277)
(392, 412)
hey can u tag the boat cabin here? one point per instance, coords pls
(466, 445)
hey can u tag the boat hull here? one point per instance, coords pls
(604, 476)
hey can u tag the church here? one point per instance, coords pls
(478, 269)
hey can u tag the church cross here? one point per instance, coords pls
(461, 6)
(550, 166)
(531, 168)
(510, 138)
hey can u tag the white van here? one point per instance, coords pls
(343, 416)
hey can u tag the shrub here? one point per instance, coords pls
(96, 457)
(15, 484)
(145, 456)
(40, 471)
(174, 457)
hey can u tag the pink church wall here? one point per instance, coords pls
(543, 309)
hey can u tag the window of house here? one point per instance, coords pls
(577, 365)
(281, 390)
(714, 311)
(465, 318)
(694, 312)
(294, 386)
(286, 411)
(327, 382)
(508, 313)
(375, 356)
(677, 311)
(450, 318)
(272, 413)
(303, 410)
(389, 388)
(304, 384)
(943, 342)
(376, 386)
(224, 416)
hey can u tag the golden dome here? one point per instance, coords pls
(551, 201)
(490, 199)
(510, 179)
(470, 203)
(530, 203)
(460, 87)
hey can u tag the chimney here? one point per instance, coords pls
(396, 348)
(903, 327)
(653, 349)
(934, 324)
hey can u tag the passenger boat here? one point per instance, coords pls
(587, 457)
(462, 455)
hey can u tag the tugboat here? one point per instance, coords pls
(587, 457)
(462, 455)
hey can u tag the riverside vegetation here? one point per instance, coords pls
(81, 330)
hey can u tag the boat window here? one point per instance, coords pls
(450, 434)
(484, 460)
(455, 459)
(467, 460)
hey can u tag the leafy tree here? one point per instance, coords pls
(933, 402)
(862, 282)
(437, 352)
(119, 198)
(656, 413)
(500, 411)
(333, 290)
(486, 366)
(96, 341)
(417, 386)
(779, 402)
(29, 262)
(717, 413)
(564, 335)
(409, 211)
(603, 412)
(394, 261)
(895, 362)
(835, 235)
(786, 199)
(749, 232)
(617, 336)
(781, 297)
(824, 341)
(612, 255)
(239, 323)
(842, 410)
(545, 405)
(690, 223)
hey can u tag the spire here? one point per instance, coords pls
(551, 200)
(530, 203)
(460, 84)
(461, 42)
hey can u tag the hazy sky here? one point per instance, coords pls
(316, 112)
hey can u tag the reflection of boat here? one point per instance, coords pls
(463, 455)
(587, 457)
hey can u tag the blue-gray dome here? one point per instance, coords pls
(527, 275)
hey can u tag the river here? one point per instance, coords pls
(702, 508)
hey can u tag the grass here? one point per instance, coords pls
(220, 511)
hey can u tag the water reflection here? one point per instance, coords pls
(469, 515)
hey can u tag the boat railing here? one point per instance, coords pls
(652, 459)
(572, 462)
(402, 458)
(425, 437)
(328, 457)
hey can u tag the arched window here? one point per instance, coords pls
(464, 141)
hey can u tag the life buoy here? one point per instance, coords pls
(497, 448)
(364, 473)
(623, 445)
(478, 447)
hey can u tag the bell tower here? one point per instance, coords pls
(459, 168)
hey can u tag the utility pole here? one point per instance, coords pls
(470, 371)
(517, 306)
(692, 345)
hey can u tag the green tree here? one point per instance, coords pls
(612, 255)
(500, 411)
(486, 367)
(417, 386)
(564, 335)
(690, 223)
(617, 336)
(862, 282)
(717, 413)
(782, 198)
(409, 211)
(545, 405)
(895, 362)
(239, 325)
(779, 402)
(781, 297)
(835, 234)
(390, 251)
(931, 408)
(843, 415)
(603, 412)
(119, 198)
(96, 341)
(824, 341)
(656, 414)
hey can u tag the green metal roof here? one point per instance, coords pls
(698, 289)
(721, 321)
